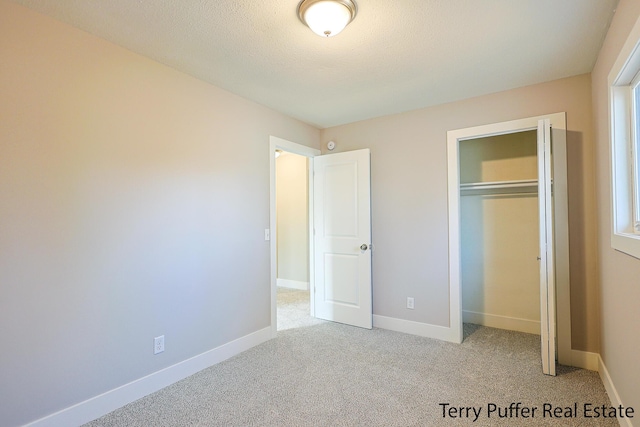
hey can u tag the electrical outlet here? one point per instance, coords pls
(158, 344)
(410, 303)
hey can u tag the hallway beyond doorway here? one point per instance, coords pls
(293, 309)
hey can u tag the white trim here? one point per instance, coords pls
(635, 153)
(563, 316)
(276, 143)
(502, 322)
(111, 400)
(611, 391)
(292, 284)
(585, 360)
(415, 328)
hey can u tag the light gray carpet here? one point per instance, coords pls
(330, 374)
(293, 309)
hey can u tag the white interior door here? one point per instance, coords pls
(342, 238)
(547, 267)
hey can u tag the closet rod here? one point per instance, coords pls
(499, 184)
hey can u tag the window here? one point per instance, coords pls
(624, 86)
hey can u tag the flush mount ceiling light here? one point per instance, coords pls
(327, 18)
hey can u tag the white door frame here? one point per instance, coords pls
(558, 123)
(276, 143)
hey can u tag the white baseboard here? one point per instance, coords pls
(611, 391)
(585, 360)
(415, 328)
(293, 284)
(100, 405)
(502, 322)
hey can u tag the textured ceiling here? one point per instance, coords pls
(395, 56)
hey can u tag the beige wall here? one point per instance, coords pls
(292, 211)
(409, 197)
(133, 203)
(498, 158)
(619, 273)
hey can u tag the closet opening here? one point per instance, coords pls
(499, 232)
(508, 231)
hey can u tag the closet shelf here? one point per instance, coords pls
(514, 186)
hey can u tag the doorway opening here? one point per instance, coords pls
(291, 216)
(339, 234)
(467, 190)
(292, 241)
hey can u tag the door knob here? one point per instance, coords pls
(364, 247)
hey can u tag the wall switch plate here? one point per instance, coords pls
(158, 344)
(410, 303)
(267, 234)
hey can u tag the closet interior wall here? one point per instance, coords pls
(499, 232)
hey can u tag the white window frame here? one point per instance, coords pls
(624, 77)
(635, 151)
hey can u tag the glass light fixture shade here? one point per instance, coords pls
(327, 18)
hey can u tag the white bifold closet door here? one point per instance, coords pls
(547, 267)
